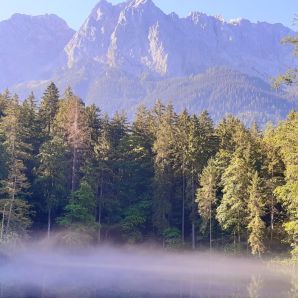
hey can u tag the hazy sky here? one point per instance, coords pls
(75, 11)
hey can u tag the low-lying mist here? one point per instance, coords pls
(108, 271)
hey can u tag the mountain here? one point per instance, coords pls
(31, 47)
(133, 53)
(137, 37)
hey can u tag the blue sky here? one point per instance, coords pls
(75, 11)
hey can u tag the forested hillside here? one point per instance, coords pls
(175, 179)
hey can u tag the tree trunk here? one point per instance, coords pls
(49, 221)
(193, 235)
(271, 219)
(183, 207)
(99, 208)
(210, 228)
(11, 204)
(2, 222)
(75, 148)
(193, 238)
(74, 163)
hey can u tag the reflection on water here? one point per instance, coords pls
(109, 272)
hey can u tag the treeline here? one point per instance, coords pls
(178, 179)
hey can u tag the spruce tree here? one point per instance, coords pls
(72, 125)
(232, 213)
(165, 152)
(49, 107)
(206, 195)
(15, 183)
(52, 176)
(256, 225)
(286, 140)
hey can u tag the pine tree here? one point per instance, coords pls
(15, 183)
(4, 102)
(71, 124)
(256, 225)
(232, 213)
(286, 140)
(273, 168)
(32, 134)
(52, 175)
(81, 208)
(49, 107)
(206, 194)
(165, 152)
(183, 158)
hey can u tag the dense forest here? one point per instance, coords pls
(174, 179)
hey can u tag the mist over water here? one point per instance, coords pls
(137, 272)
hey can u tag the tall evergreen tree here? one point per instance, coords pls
(49, 107)
(232, 213)
(206, 196)
(286, 140)
(52, 176)
(165, 152)
(15, 183)
(256, 225)
(71, 124)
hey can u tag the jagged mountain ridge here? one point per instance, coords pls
(133, 53)
(137, 37)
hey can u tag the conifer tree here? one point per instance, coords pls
(32, 134)
(206, 194)
(183, 157)
(71, 124)
(4, 101)
(81, 208)
(49, 107)
(165, 152)
(53, 163)
(273, 169)
(256, 225)
(15, 183)
(286, 140)
(232, 213)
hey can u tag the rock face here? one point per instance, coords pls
(137, 37)
(31, 47)
(133, 53)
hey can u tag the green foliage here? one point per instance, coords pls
(207, 193)
(19, 220)
(80, 209)
(256, 225)
(172, 238)
(134, 221)
(105, 179)
(232, 212)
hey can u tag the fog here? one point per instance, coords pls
(108, 271)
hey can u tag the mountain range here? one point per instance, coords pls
(133, 53)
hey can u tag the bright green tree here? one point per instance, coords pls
(206, 196)
(256, 225)
(232, 213)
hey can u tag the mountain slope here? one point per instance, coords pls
(132, 53)
(219, 90)
(31, 47)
